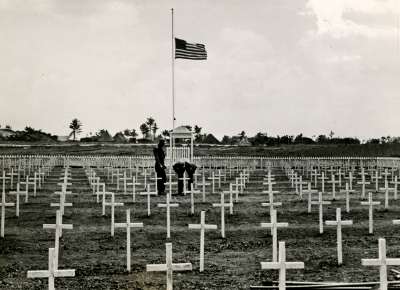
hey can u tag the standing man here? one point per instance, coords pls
(159, 156)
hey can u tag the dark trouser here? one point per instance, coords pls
(180, 171)
(161, 182)
(190, 170)
(190, 175)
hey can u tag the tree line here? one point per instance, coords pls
(150, 133)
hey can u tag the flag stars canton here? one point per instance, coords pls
(187, 50)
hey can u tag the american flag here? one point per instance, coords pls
(187, 50)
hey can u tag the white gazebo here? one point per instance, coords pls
(180, 153)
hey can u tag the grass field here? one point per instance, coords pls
(367, 150)
(231, 263)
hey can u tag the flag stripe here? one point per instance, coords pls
(190, 56)
(190, 53)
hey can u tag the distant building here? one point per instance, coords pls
(120, 138)
(5, 133)
(240, 141)
(63, 138)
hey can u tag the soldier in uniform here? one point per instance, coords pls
(159, 156)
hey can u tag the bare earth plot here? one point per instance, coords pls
(231, 263)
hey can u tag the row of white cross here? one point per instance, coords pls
(37, 180)
(277, 263)
(53, 272)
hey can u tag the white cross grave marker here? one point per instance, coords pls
(169, 266)
(127, 226)
(202, 227)
(321, 203)
(148, 193)
(113, 204)
(382, 262)
(347, 191)
(59, 227)
(339, 223)
(222, 206)
(17, 193)
(370, 204)
(168, 206)
(274, 225)
(52, 272)
(3, 205)
(282, 265)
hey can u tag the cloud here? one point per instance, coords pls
(331, 17)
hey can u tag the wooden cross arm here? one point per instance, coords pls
(54, 226)
(120, 225)
(294, 265)
(38, 274)
(396, 222)
(63, 192)
(371, 262)
(278, 225)
(268, 183)
(172, 183)
(268, 204)
(335, 223)
(136, 225)
(392, 261)
(310, 191)
(64, 273)
(8, 204)
(219, 205)
(16, 192)
(164, 205)
(182, 267)
(366, 183)
(58, 204)
(148, 193)
(270, 265)
(194, 191)
(386, 188)
(156, 268)
(199, 227)
(372, 203)
(349, 191)
(64, 183)
(323, 203)
(115, 203)
(268, 191)
(201, 184)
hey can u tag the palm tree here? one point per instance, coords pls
(76, 127)
(242, 135)
(154, 129)
(133, 134)
(127, 132)
(165, 133)
(150, 122)
(144, 129)
(197, 132)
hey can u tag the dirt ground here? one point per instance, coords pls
(363, 150)
(230, 263)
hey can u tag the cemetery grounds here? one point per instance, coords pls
(230, 263)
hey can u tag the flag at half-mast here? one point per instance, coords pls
(187, 50)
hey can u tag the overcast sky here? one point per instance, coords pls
(275, 66)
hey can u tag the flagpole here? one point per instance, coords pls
(171, 140)
(173, 70)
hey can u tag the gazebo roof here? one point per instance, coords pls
(181, 132)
